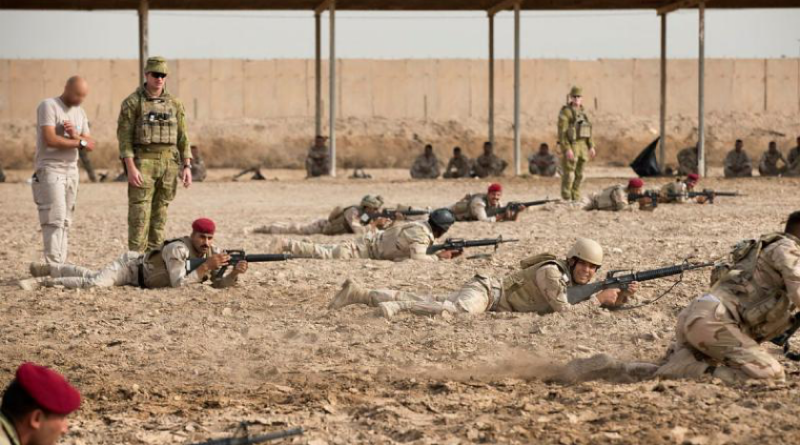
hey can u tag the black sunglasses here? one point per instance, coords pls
(158, 75)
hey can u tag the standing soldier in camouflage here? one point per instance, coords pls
(154, 146)
(577, 145)
(459, 166)
(318, 160)
(687, 161)
(752, 300)
(544, 162)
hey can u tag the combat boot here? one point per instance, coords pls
(350, 293)
(39, 269)
(35, 283)
(390, 308)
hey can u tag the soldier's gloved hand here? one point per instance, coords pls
(218, 260)
(240, 268)
(569, 154)
(592, 153)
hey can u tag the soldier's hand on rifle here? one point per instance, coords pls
(449, 254)
(646, 203)
(216, 261)
(380, 222)
(608, 297)
(398, 216)
(514, 215)
(240, 268)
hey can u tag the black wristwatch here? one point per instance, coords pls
(83, 144)
(185, 166)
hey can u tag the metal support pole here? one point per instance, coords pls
(144, 9)
(332, 85)
(662, 121)
(491, 78)
(516, 91)
(701, 131)
(318, 74)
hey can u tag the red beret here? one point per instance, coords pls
(48, 388)
(635, 183)
(495, 188)
(692, 177)
(204, 225)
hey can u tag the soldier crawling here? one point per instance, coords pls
(341, 221)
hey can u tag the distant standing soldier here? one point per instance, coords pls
(459, 166)
(318, 161)
(154, 146)
(489, 164)
(577, 145)
(768, 164)
(687, 161)
(198, 166)
(426, 166)
(62, 130)
(737, 163)
(86, 161)
(543, 163)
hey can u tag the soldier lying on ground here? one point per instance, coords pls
(540, 286)
(751, 301)
(164, 267)
(342, 220)
(677, 192)
(484, 207)
(618, 197)
(401, 241)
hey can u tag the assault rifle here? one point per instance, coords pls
(709, 194)
(783, 339)
(391, 214)
(255, 439)
(577, 294)
(237, 256)
(458, 244)
(515, 206)
(650, 194)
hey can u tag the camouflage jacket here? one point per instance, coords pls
(128, 123)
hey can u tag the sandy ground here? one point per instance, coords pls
(185, 365)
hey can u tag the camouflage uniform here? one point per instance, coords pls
(768, 164)
(540, 286)
(750, 303)
(341, 221)
(153, 132)
(400, 242)
(738, 165)
(614, 198)
(574, 133)
(687, 161)
(794, 155)
(8, 433)
(160, 268)
(473, 208)
(543, 165)
(425, 167)
(458, 167)
(674, 192)
(489, 165)
(318, 161)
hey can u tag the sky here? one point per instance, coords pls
(585, 35)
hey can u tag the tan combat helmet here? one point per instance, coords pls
(374, 201)
(587, 250)
(576, 91)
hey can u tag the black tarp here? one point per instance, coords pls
(646, 163)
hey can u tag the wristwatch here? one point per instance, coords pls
(185, 166)
(83, 144)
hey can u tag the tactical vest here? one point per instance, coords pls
(462, 210)
(337, 222)
(612, 198)
(520, 292)
(156, 274)
(765, 313)
(674, 192)
(157, 122)
(385, 244)
(579, 125)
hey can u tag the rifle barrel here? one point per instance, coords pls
(267, 257)
(255, 439)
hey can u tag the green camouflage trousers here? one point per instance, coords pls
(572, 171)
(147, 205)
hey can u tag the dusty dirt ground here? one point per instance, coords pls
(186, 365)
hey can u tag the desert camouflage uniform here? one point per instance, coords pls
(540, 286)
(549, 161)
(768, 164)
(159, 268)
(402, 241)
(751, 303)
(425, 167)
(674, 192)
(489, 165)
(318, 161)
(458, 167)
(473, 208)
(341, 221)
(8, 434)
(738, 165)
(157, 146)
(687, 161)
(614, 198)
(574, 133)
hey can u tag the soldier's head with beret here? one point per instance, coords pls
(203, 230)
(155, 71)
(37, 403)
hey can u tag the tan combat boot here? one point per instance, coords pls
(350, 293)
(389, 308)
(34, 283)
(39, 269)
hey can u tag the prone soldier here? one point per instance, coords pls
(159, 268)
(540, 286)
(677, 192)
(618, 197)
(341, 221)
(484, 207)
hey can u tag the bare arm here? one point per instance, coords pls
(51, 139)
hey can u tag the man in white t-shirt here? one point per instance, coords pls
(62, 129)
